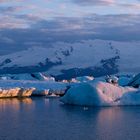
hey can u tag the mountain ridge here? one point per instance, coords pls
(67, 60)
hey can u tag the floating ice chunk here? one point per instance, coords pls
(27, 76)
(135, 81)
(15, 92)
(123, 81)
(101, 94)
(39, 92)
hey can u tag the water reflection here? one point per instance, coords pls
(49, 119)
(14, 103)
(104, 122)
(109, 114)
(102, 115)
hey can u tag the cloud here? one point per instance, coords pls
(10, 9)
(135, 6)
(6, 40)
(111, 27)
(94, 2)
(128, 5)
(70, 29)
(12, 18)
(5, 1)
(28, 25)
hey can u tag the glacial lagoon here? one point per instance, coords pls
(49, 119)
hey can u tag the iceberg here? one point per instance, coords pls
(39, 92)
(15, 92)
(135, 81)
(27, 76)
(124, 81)
(82, 79)
(27, 88)
(98, 93)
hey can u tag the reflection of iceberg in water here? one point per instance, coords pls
(109, 115)
(14, 103)
(115, 123)
(109, 124)
(97, 123)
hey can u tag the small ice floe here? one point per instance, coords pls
(82, 79)
(135, 81)
(39, 92)
(124, 81)
(112, 80)
(79, 79)
(49, 92)
(15, 92)
(56, 93)
(85, 108)
(52, 96)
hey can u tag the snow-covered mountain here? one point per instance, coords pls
(66, 60)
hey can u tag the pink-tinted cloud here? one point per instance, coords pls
(94, 2)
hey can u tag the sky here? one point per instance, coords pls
(28, 23)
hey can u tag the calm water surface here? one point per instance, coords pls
(48, 119)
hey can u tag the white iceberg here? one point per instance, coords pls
(27, 76)
(82, 79)
(41, 88)
(101, 94)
